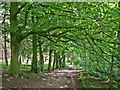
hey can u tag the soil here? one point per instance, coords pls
(65, 78)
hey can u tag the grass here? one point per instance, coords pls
(25, 66)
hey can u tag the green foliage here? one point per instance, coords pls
(3, 65)
(92, 83)
(87, 32)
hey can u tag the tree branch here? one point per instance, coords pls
(19, 9)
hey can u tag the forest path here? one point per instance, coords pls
(64, 78)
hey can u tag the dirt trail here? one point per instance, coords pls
(58, 79)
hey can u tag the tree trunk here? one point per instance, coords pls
(15, 43)
(5, 50)
(118, 57)
(28, 57)
(59, 58)
(34, 59)
(20, 60)
(2, 52)
(54, 60)
(63, 62)
(5, 38)
(14, 65)
(57, 62)
(50, 59)
(41, 61)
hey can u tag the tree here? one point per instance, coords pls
(50, 59)
(15, 41)
(41, 61)
(85, 28)
(63, 62)
(54, 61)
(34, 61)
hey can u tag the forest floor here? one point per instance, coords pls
(64, 78)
